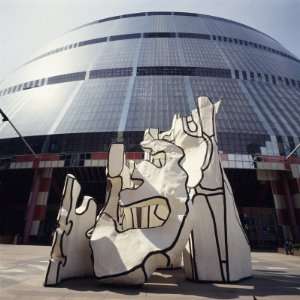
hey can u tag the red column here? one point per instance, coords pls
(280, 206)
(36, 208)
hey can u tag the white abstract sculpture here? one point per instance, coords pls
(176, 201)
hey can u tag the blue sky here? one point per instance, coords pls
(27, 25)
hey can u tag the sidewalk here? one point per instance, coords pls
(22, 271)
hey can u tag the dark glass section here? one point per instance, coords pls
(246, 143)
(159, 34)
(106, 73)
(133, 15)
(70, 143)
(67, 77)
(93, 41)
(125, 37)
(159, 13)
(108, 19)
(13, 146)
(194, 35)
(184, 71)
(267, 77)
(185, 14)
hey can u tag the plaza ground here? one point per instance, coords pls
(22, 271)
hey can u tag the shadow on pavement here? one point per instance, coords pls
(263, 283)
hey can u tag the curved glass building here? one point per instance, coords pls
(109, 80)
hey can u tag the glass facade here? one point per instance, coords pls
(127, 73)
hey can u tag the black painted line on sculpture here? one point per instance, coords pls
(132, 218)
(176, 238)
(216, 237)
(194, 255)
(148, 216)
(168, 259)
(208, 195)
(225, 226)
(61, 236)
(157, 216)
(191, 258)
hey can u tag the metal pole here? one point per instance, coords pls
(6, 119)
(293, 151)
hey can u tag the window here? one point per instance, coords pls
(287, 82)
(241, 42)
(159, 13)
(93, 41)
(159, 34)
(214, 37)
(293, 82)
(125, 37)
(194, 36)
(274, 79)
(109, 19)
(237, 74)
(244, 75)
(184, 71)
(252, 75)
(225, 39)
(219, 38)
(133, 15)
(259, 76)
(67, 77)
(185, 14)
(106, 73)
(267, 77)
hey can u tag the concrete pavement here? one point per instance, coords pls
(22, 271)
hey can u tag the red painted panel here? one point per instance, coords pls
(44, 184)
(24, 158)
(39, 213)
(51, 157)
(99, 155)
(135, 155)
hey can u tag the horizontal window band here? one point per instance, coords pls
(107, 73)
(184, 71)
(194, 35)
(125, 37)
(159, 35)
(155, 71)
(66, 78)
(159, 13)
(133, 15)
(215, 38)
(93, 41)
